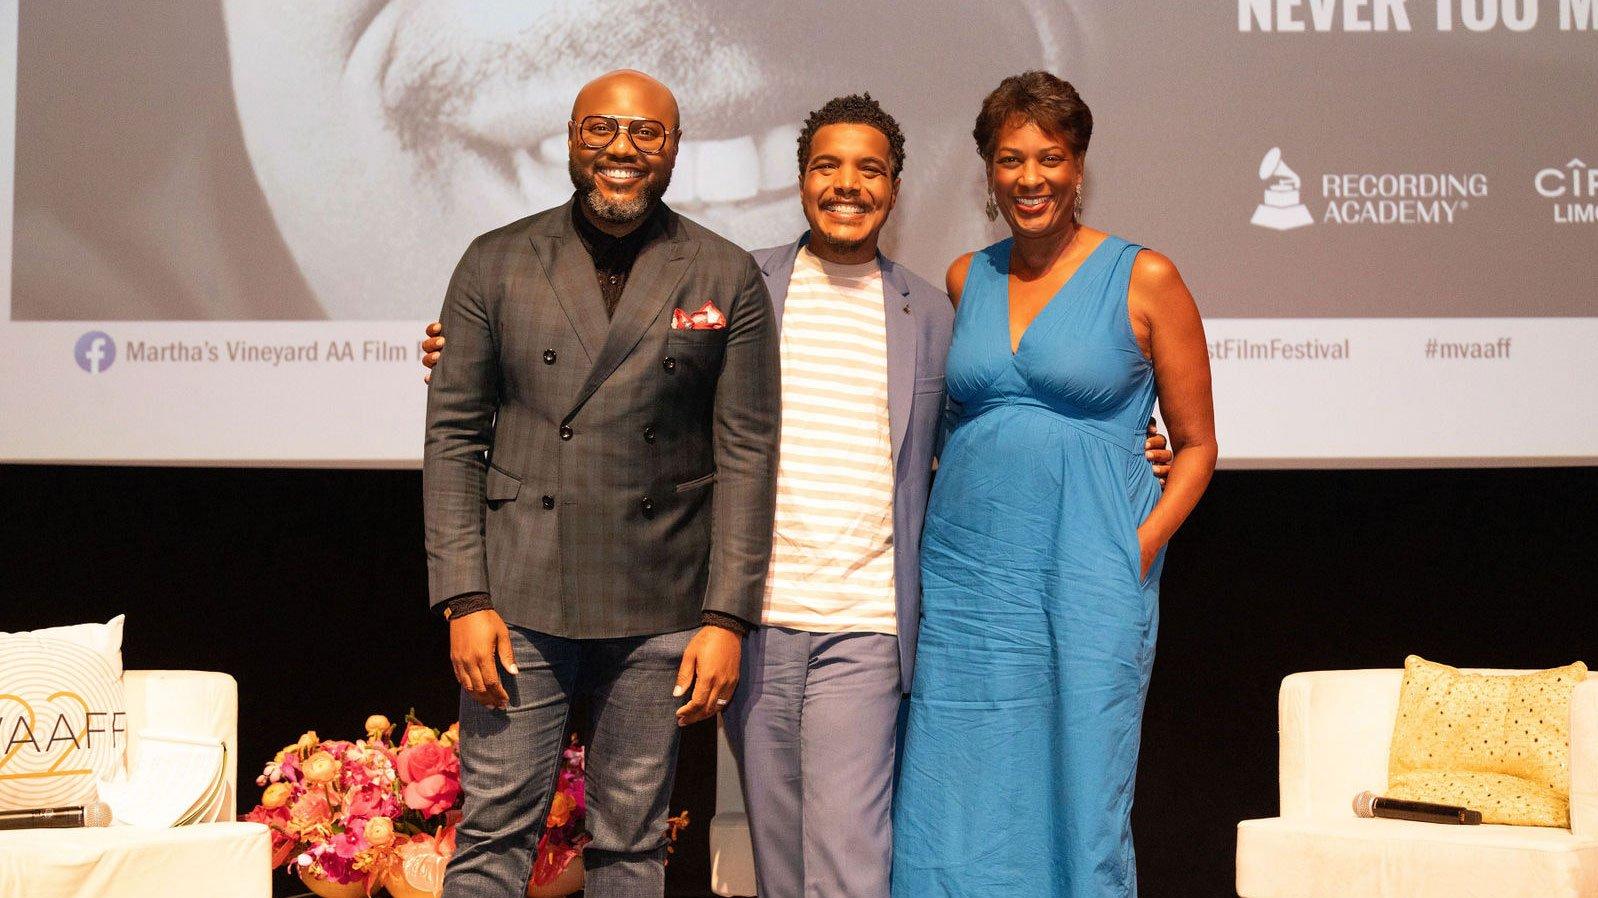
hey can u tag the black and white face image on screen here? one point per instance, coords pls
(332, 158)
(1386, 211)
(303, 160)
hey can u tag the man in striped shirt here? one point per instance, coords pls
(863, 341)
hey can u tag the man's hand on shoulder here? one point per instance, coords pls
(710, 666)
(479, 643)
(431, 346)
(1155, 450)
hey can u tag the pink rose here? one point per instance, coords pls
(432, 794)
(426, 759)
(432, 777)
(311, 808)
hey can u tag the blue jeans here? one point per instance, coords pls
(510, 760)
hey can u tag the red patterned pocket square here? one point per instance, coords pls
(706, 318)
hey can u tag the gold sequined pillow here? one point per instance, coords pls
(1501, 798)
(1497, 743)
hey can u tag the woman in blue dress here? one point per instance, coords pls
(1044, 539)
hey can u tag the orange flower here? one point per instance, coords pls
(560, 810)
(416, 734)
(320, 768)
(379, 831)
(378, 727)
(276, 795)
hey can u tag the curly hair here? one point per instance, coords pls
(1038, 97)
(854, 109)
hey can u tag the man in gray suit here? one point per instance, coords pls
(598, 483)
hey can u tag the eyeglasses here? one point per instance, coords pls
(599, 131)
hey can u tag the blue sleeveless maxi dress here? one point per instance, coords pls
(1037, 632)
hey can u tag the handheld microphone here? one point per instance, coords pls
(1369, 804)
(95, 813)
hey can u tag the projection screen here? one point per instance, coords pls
(226, 222)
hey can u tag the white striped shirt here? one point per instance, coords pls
(832, 550)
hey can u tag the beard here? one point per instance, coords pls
(619, 212)
(818, 236)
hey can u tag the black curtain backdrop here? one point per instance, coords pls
(309, 587)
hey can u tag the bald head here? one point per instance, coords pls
(619, 183)
(627, 92)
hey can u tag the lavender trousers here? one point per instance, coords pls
(813, 727)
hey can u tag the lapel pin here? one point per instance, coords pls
(907, 308)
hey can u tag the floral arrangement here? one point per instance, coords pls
(371, 811)
(350, 812)
(564, 836)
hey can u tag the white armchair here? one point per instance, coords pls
(1336, 728)
(219, 859)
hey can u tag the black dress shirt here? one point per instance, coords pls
(613, 256)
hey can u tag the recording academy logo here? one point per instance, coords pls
(1574, 189)
(1281, 209)
(1361, 198)
(95, 351)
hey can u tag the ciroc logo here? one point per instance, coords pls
(1574, 189)
(95, 351)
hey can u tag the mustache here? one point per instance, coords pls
(654, 188)
(608, 159)
(512, 85)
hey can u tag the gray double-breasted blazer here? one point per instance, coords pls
(602, 478)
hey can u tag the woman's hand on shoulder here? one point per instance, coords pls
(954, 281)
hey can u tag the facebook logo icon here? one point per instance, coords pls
(95, 351)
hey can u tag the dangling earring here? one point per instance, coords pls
(992, 209)
(1079, 200)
